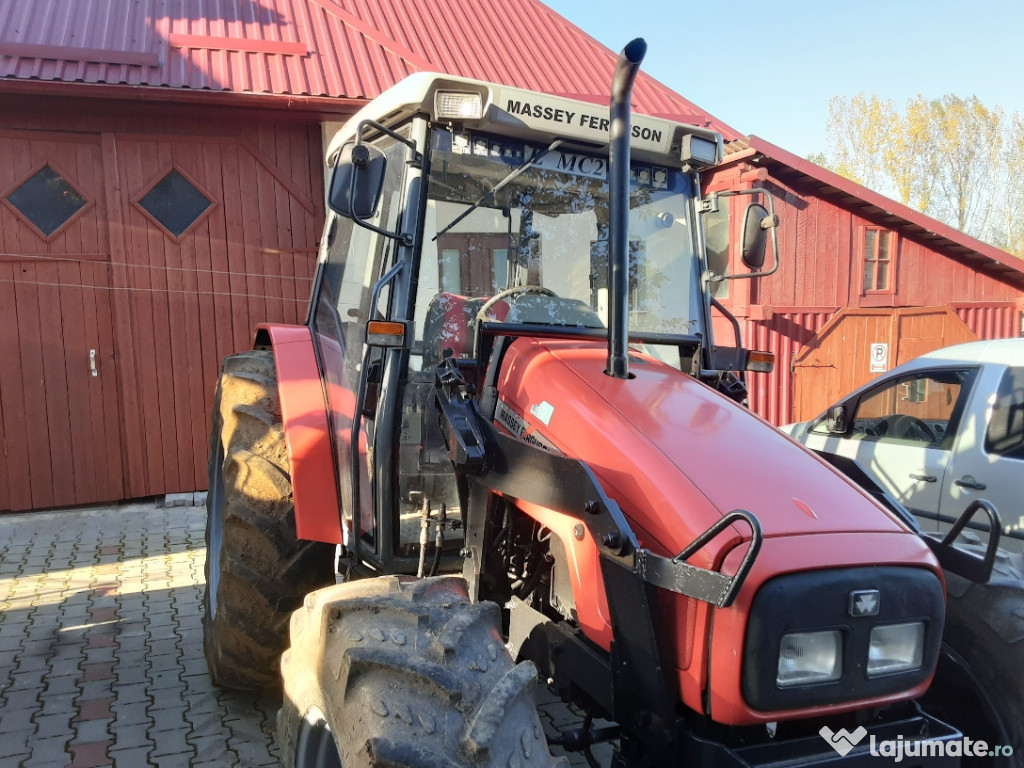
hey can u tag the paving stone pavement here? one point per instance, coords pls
(101, 650)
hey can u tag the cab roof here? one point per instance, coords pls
(526, 115)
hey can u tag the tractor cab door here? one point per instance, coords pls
(395, 480)
(352, 261)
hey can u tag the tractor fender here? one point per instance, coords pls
(306, 430)
(583, 562)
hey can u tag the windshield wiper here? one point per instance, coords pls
(500, 185)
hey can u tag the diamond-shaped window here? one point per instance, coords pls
(175, 203)
(47, 200)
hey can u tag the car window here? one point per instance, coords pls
(1005, 433)
(919, 408)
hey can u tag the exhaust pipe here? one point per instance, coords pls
(620, 111)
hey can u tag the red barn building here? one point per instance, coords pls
(858, 272)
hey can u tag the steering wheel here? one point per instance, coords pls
(481, 314)
(904, 426)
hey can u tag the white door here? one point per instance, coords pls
(988, 456)
(901, 433)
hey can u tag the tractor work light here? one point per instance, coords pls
(458, 105)
(895, 648)
(810, 657)
(699, 150)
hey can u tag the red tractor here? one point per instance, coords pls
(506, 431)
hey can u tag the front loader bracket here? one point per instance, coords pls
(460, 419)
(960, 561)
(951, 557)
(676, 575)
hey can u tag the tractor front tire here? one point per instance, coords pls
(394, 671)
(979, 684)
(257, 571)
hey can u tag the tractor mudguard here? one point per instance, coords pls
(307, 431)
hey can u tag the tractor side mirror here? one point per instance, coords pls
(835, 422)
(358, 181)
(758, 223)
(754, 237)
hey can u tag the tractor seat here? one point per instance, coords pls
(450, 323)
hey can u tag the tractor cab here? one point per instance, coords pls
(465, 229)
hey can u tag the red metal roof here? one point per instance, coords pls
(792, 169)
(351, 49)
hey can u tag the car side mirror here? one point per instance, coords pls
(358, 181)
(754, 237)
(835, 422)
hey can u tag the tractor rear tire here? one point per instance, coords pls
(257, 571)
(979, 684)
(394, 671)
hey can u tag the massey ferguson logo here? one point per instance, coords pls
(865, 602)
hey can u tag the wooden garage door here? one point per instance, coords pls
(218, 234)
(58, 384)
(837, 359)
(130, 265)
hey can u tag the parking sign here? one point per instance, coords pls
(879, 358)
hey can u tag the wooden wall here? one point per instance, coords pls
(55, 306)
(837, 359)
(820, 275)
(160, 310)
(821, 266)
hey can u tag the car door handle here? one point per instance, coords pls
(923, 478)
(969, 482)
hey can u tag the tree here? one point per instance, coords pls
(858, 129)
(965, 141)
(1008, 224)
(906, 156)
(952, 158)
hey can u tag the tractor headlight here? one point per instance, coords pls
(895, 648)
(811, 642)
(810, 657)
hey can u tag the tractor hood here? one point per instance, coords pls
(673, 453)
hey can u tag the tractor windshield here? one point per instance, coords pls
(530, 222)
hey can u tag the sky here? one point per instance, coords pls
(771, 68)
